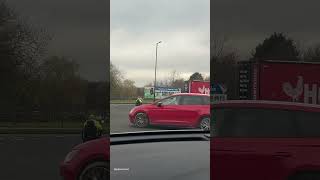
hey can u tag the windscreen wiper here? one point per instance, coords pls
(158, 136)
(159, 132)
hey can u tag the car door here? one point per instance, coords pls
(190, 109)
(166, 114)
(251, 144)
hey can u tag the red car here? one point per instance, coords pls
(265, 140)
(87, 161)
(182, 110)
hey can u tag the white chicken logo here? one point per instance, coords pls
(292, 92)
(204, 90)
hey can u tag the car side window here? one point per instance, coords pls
(191, 100)
(254, 123)
(170, 101)
(308, 124)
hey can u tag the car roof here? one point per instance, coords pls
(190, 94)
(280, 105)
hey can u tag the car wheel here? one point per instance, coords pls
(96, 171)
(141, 120)
(205, 124)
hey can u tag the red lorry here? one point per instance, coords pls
(194, 86)
(216, 90)
(280, 81)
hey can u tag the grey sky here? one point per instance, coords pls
(182, 25)
(79, 27)
(81, 31)
(247, 22)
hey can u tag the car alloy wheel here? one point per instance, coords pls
(96, 171)
(205, 124)
(141, 120)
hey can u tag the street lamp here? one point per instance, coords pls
(155, 73)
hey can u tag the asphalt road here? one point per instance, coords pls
(119, 121)
(38, 156)
(35, 157)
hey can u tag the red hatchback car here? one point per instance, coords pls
(180, 110)
(265, 140)
(87, 161)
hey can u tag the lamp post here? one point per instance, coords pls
(155, 73)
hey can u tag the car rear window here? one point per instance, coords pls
(253, 123)
(206, 100)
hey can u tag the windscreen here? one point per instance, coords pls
(156, 51)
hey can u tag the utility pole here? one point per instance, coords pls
(155, 73)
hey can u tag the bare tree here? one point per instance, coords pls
(218, 45)
(150, 84)
(22, 46)
(121, 87)
(178, 83)
(173, 77)
(129, 90)
(312, 53)
(62, 88)
(116, 77)
(223, 64)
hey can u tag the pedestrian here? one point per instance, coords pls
(139, 101)
(92, 129)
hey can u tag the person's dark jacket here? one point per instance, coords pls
(90, 131)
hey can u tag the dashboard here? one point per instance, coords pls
(178, 156)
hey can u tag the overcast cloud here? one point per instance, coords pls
(248, 22)
(79, 28)
(183, 26)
